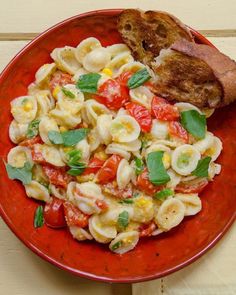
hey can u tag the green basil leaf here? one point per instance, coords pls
(202, 167)
(75, 171)
(157, 172)
(33, 128)
(138, 78)
(67, 92)
(88, 83)
(164, 194)
(116, 246)
(123, 219)
(194, 123)
(38, 217)
(144, 143)
(74, 157)
(139, 166)
(127, 201)
(24, 174)
(55, 137)
(72, 137)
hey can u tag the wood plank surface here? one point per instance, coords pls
(36, 16)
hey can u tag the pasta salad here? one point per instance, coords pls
(111, 160)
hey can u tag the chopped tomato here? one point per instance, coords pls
(112, 94)
(37, 156)
(147, 229)
(112, 189)
(75, 217)
(108, 171)
(163, 110)
(93, 166)
(31, 142)
(102, 205)
(54, 214)
(144, 184)
(141, 115)
(177, 130)
(124, 77)
(192, 187)
(60, 79)
(57, 176)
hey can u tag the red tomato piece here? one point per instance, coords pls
(112, 189)
(108, 171)
(54, 214)
(141, 115)
(75, 217)
(177, 130)
(144, 184)
(93, 166)
(60, 79)
(192, 187)
(31, 142)
(102, 205)
(163, 110)
(112, 94)
(37, 156)
(124, 77)
(57, 176)
(147, 229)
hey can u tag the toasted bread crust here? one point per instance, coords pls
(187, 79)
(146, 33)
(223, 68)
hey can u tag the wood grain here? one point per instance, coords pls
(35, 16)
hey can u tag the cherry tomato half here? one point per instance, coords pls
(57, 176)
(192, 187)
(177, 130)
(163, 110)
(60, 79)
(124, 77)
(75, 217)
(93, 166)
(147, 229)
(108, 171)
(144, 184)
(54, 214)
(141, 115)
(31, 142)
(112, 94)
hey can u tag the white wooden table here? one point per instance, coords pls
(22, 272)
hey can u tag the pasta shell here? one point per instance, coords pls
(111, 216)
(116, 49)
(45, 103)
(101, 233)
(51, 155)
(65, 59)
(185, 106)
(47, 124)
(124, 174)
(133, 67)
(18, 156)
(142, 95)
(159, 147)
(103, 128)
(65, 118)
(96, 60)
(79, 233)
(86, 46)
(94, 110)
(115, 148)
(174, 179)
(124, 129)
(44, 72)
(205, 143)
(39, 175)
(84, 147)
(79, 73)
(58, 192)
(93, 139)
(17, 131)
(125, 242)
(143, 209)
(215, 149)
(118, 61)
(170, 214)
(192, 203)
(159, 129)
(37, 191)
(24, 109)
(185, 159)
(214, 169)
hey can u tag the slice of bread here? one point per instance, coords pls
(146, 33)
(195, 73)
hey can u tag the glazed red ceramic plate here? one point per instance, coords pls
(153, 257)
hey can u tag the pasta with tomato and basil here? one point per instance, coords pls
(111, 160)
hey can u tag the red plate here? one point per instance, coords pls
(153, 257)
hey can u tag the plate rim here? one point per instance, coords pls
(61, 265)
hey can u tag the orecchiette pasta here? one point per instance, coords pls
(24, 109)
(82, 149)
(37, 191)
